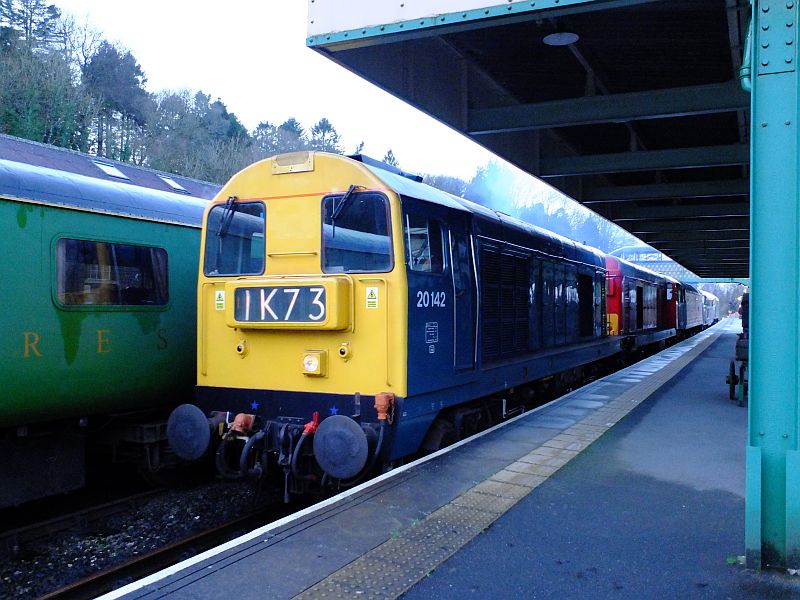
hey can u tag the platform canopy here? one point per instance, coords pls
(631, 107)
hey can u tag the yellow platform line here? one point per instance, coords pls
(391, 568)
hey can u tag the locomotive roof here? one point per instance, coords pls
(641, 269)
(29, 183)
(405, 185)
(72, 161)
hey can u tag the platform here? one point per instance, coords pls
(632, 486)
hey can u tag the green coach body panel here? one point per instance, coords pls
(60, 362)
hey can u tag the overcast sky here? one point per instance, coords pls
(252, 55)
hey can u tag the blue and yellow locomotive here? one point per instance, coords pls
(350, 316)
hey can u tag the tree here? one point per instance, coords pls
(291, 136)
(446, 183)
(325, 138)
(492, 186)
(38, 96)
(389, 159)
(266, 137)
(78, 43)
(221, 124)
(35, 21)
(293, 126)
(359, 148)
(117, 81)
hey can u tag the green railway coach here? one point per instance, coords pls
(98, 321)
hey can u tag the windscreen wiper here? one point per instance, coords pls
(338, 208)
(227, 216)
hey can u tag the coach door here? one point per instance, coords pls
(464, 311)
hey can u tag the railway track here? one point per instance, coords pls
(84, 519)
(94, 550)
(141, 566)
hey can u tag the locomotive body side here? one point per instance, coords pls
(671, 310)
(710, 308)
(690, 310)
(514, 293)
(637, 298)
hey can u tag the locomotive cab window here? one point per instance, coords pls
(424, 244)
(106, 274)
(355, 233)
(235, 239)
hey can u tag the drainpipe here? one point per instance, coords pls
(745, 71)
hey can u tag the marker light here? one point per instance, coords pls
(315, 362)
(310, 363)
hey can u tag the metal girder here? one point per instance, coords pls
(666, 246)
(389, 30)
(713, 255)
(650, 160)
(739, 280)
(661, 227)
(772, 488)
(690, 251)
(591, 110)
(666, 237)
(661, 191)
(621, 214)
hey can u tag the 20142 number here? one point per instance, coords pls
(426, 299)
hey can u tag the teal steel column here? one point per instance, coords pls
(772, 535)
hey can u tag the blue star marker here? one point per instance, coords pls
(254, 405)
(334, 410)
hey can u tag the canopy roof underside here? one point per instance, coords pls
(642, 119)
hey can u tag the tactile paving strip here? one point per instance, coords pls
(411, 554)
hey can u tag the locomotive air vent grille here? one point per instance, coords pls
(505, 324)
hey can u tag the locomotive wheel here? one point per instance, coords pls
(441, 434)
(732, 381)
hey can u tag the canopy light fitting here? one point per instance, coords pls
(562, 38)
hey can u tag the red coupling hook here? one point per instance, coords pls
(311, 426)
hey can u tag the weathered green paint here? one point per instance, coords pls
(752, 514)
(22, 214)
(71, 327)
(773, 539)
(142, 357)
(792, 506)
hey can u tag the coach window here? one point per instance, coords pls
(235, 239)
(107, 274)
(424, 244)
(355, 233)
